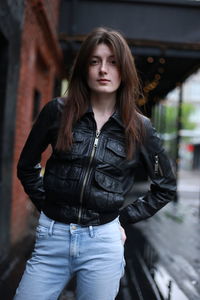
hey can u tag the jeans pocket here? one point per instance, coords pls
(109, 233)
(41, 232)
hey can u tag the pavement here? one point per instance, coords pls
(174, 234)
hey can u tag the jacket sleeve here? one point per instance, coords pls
(29, 168)
(163, 182)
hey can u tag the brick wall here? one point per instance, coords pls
(41, 62)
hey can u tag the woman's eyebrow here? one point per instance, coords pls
(98, 56)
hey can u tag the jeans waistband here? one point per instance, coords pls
(49, 223)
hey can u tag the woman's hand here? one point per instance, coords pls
(123, 234)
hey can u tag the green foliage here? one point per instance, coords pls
(166, 121)
(171, 116)
(171, 113)
(187, 110)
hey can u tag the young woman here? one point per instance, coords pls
(98, 138)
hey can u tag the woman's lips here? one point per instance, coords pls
(103, 80)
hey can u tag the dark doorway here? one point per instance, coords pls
(3, 84)
(3, 81)
(36, 104)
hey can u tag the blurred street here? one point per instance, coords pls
(173, 233)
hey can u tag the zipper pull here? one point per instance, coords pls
(96, 138)
(156, 164)
(98, 133)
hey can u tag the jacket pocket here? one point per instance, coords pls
(78, 141)
(114, 152)
(108, 183)
(61, 178)
(106, 193)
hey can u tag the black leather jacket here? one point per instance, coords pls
(88, 184)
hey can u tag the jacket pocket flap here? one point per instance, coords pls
(64, 173)
(116, 147)
(108, 183)
(78, 137)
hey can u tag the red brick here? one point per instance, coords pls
(41, 61)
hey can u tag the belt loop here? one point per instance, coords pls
(91, 231)
(51, 227)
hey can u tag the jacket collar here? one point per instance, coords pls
(115, 116)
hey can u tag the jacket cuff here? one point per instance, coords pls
(123, 217)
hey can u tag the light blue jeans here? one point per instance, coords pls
(95, 254)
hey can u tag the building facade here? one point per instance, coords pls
(31, 65)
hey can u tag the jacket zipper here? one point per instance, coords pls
(157, 167)
(87, 173)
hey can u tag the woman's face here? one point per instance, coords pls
(103, 72)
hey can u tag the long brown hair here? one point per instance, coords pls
(78, 93)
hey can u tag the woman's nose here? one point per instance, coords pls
(103, 68)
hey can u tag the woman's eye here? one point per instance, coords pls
(113, 62)
(93, 62)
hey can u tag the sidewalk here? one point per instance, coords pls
(174, 234)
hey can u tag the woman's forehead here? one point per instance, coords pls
(103, 49)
